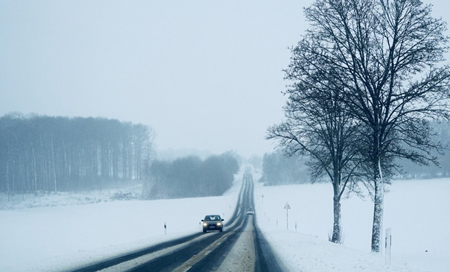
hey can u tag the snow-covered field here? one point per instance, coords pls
(417, 211)
(63, 237)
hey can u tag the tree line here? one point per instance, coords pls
(278, 169)
(190, 176)
(42, 153)
(367, 80)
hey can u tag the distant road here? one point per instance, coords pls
(240, 247)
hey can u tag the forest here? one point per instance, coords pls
(42, 153)
(191, 177)
(279, 169)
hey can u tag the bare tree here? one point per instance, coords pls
(385, 55)
(318, 125)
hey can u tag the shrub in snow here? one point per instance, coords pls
(123, 196)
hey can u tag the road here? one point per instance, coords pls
(240, 247)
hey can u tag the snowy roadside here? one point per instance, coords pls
(64, 237)
(132, 191)
(415, 210)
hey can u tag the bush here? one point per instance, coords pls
(123, 196)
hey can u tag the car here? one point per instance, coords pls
(212, 222)
(250, 212)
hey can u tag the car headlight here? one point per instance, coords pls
(219, 224)
(205, 224)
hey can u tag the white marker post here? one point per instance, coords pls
(387, 245)
(287, 207)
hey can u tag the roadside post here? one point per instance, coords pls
(287, 207)
(387, 246)
(262, 204)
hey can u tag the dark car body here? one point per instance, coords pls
(212, 222)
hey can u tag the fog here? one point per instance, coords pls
(205, 75)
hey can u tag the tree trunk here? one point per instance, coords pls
(336, 238)
(377, 227)
(52, 164)
(34, 165)
(7, 177)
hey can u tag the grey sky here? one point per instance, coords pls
(203, 74)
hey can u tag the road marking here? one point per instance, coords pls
(202, 254)
(206, 251)
(133, 263)
(242, 255)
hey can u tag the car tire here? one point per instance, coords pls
(204, 230)
(221, 230)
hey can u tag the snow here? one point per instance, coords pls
(65, 235)
(417, 211)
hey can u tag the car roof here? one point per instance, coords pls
(213, 217)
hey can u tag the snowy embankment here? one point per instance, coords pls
(60, 238)
(65, 237)
(417, 211)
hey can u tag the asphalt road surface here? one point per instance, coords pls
(240, 247)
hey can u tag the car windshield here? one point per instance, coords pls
(212, 218)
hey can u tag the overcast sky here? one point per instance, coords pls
(204, 75)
